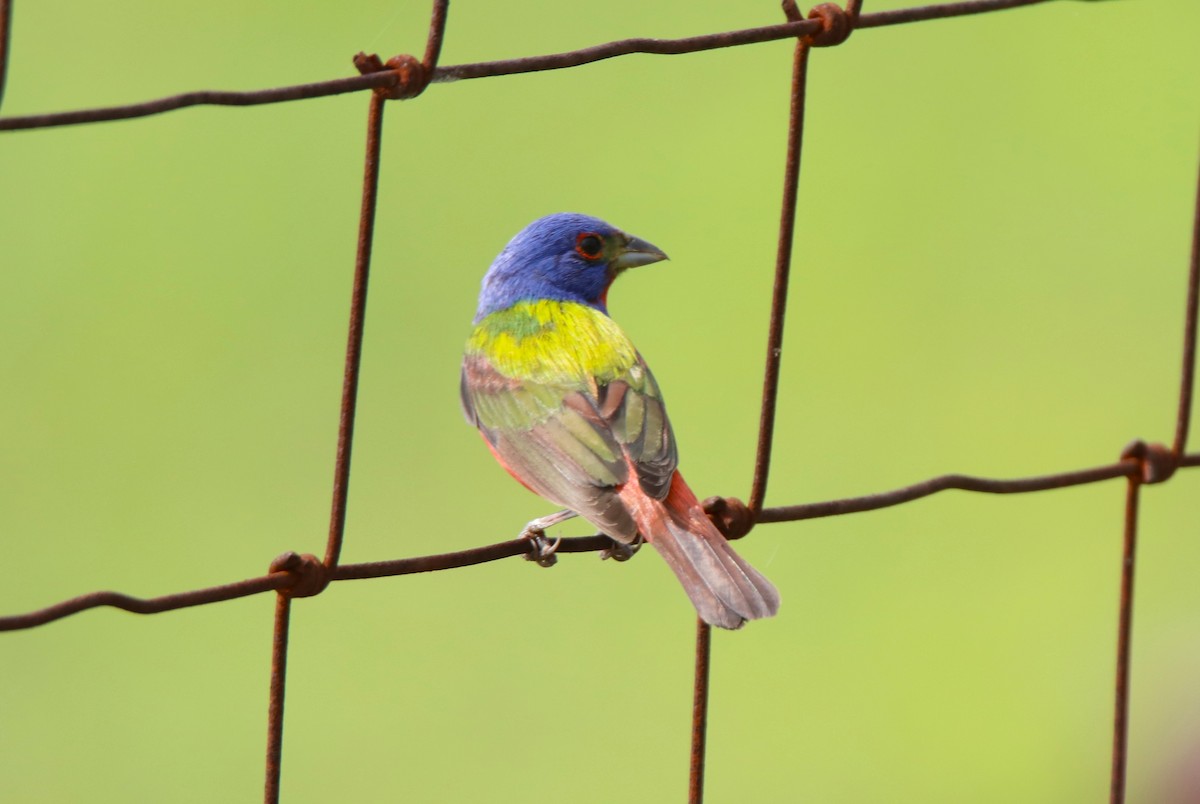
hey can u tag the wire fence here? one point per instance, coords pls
(405, 77)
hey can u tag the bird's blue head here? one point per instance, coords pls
(564, 257)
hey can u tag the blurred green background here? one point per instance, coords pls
(991, 252)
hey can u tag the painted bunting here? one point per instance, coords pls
(568, 406)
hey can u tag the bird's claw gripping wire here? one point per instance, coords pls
(544, 550)
(620, 551)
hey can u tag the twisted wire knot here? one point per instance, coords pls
(836, 24)
(310, 574)
(412, 76)
(730, 515)
(1156, 461)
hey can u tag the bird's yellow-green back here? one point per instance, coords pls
(554, 342)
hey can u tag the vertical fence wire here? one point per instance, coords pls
(6, 10)
(770, 393)
(783, 263)
(354, 340)
(341, 483)
(1187, 375)
(1168, 462)
(700, 711)
(1158, 464)
(1124, 637)
(279, 654)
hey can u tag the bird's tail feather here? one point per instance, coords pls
(725, 590)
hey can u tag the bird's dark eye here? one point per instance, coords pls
(589, 245)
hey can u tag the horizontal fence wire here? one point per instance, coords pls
(397, 78)
(291, 570)
(404, 77)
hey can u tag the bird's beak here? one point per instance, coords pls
(636, 252)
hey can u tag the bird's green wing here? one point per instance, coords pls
(632, 408)
(566, 424)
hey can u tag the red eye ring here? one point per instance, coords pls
(589, 245)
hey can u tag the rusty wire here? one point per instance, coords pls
(292, 575)
(404, 77)
(1158, 464)
(354, 340)
(279, 654)
(5, 40)
(774, 357)
(390, 79)
(1187, 373)
(700, 711)
(1120, 736)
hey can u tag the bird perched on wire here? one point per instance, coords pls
(567, 405)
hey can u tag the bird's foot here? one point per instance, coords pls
(544, 550)
(620, 551)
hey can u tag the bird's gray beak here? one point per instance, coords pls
(636, 252)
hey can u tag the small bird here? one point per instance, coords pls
(569, 408)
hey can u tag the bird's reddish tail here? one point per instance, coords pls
(725, 590)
